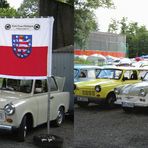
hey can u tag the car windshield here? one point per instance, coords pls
(24, 86)
(109, 74)
(145, 77)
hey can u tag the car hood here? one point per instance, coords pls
(93, 83)
(134, 89)
(10, 96)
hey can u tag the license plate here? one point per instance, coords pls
(127, 104)
(82, 99)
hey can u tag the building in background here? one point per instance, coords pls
(104, 43)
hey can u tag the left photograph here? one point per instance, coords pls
(36, 74)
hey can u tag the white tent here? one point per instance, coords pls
(97, 59)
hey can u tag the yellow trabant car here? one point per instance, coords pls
(102, 88)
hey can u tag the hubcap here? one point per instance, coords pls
(60, 117)
(25, 131)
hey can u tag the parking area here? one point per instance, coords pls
(99, 127)
(8, 140)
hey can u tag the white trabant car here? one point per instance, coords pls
(24, 104)
(133, 95)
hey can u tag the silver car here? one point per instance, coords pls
(133, 95)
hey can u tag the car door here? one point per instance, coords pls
(41, 96)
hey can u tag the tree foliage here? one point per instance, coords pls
(136, 36)
(85, 21)
(4, 4)
(29, 8)
(8, 12)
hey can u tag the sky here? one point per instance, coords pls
(134, 10)
(15, 3)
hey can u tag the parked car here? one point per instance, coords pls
(102, 88)
(24, 104)
(85, 72)
(133, 95)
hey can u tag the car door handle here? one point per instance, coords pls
(51, 97)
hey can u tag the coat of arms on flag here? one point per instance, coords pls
(22, 45)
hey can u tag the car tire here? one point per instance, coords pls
(111, 98)
(82, 104)
(22, 131)
(60, 118)
(127, 109)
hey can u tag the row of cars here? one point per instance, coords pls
(115, 85)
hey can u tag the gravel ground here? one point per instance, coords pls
(99, 127)
(8, 140)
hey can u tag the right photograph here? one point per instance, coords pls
(110, 74)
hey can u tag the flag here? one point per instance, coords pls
(26, 47)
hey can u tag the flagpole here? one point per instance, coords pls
(48, 110)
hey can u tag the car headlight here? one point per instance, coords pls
(142, 93)
(98, 88)
(117, 91)
(9, 109)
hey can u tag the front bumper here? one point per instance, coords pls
(7, 128)
(90, 99)
(131, 103)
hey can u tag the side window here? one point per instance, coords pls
(91, 73)
(97, 72)
(127, 75)
(134, 75)
(38, 87)
(53, 85)
(130, 75)
(83, 74)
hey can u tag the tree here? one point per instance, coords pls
(4, 4)
(29, 8)
(113, 26)
(8, 12)
(85, 21)
(136, 36)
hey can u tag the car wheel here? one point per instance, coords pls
(82, 104)
(127, 109)
(22, 131)
(60, 117)
(111, 98)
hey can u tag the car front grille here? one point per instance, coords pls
(88, 93)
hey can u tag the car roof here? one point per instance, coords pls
(123, 68)
(86, 67)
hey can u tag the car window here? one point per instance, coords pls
(91, 73)
(83, 74)
(53, 86)
(145, 77)
(110, 74)
(75, 72)
(42, 87)
(130, 75)
(24, 86)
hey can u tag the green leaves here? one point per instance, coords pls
(136, 36)
(29, 8)
(85, 21)
(4, 4)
